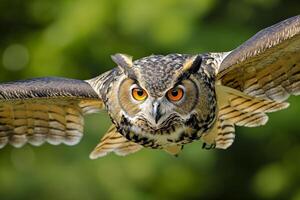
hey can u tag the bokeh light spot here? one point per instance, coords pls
(15, 57)
(270, 181)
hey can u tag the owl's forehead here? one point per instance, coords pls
(157, 72)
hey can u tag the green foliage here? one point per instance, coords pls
(76, 38)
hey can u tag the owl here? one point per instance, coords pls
(161, 102)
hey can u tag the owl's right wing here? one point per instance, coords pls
(47, 110)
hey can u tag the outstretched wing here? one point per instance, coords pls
(268, 64)
(45, 110)
(256, 78)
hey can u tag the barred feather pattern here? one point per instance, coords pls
(40, 121)
(249, 112)
(113, 141)
(275, 82)
(226, 134)
(236, 108)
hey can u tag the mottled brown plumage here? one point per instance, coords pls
(161, 102)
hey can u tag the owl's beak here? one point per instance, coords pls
(156, 113)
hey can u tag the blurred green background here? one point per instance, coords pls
(75, 38)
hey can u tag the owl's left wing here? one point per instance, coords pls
(256, 78)
(268, 64)
(45, 110)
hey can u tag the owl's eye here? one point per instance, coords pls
(175, 94)
(139, 94)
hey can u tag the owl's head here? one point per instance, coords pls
(163, 94)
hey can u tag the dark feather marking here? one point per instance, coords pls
(245, 100)
(225, 126)
(110, 143)
(233, 111)
(227, 133)
(225, 139)
(244, 120)
(253, 104)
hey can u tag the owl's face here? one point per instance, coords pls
(159, 98)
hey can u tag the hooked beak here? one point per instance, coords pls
(156, 113)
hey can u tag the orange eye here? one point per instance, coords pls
(139, 94)
(175, 94)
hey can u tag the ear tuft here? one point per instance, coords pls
(122, 60)
(192, 65)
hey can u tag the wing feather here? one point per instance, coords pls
(268, 64)
(113, 141)
(45, 110)
(237, 109)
